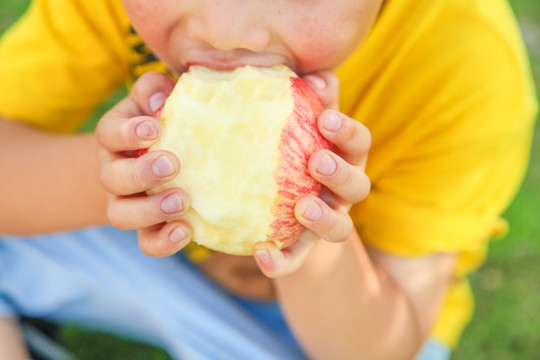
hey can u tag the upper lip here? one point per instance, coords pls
(233, 61)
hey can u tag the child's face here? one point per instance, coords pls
(306, 35)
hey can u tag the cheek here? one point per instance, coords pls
(325, 39)
(321, 51)
(140, 11)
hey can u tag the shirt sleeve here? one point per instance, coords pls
(60, 60)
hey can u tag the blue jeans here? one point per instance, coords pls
(434, 350)
(99, 278)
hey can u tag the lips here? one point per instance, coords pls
(236, 59)
(217, 65)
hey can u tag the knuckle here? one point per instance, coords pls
(357, 135)
(135, 178)
(361, 187)
(363, 135)
(115, 217)
(146, 77)
(112, 131)
(365, 188)
(146, 244)
(344, 175)
(350, 130)
(124, 132)
(349, 226)
(150, 215)
(342, 231)
(137, 91)
(149, 83)
(104, 179)
(103, 132)
(332, 82)
(154, 242)
(167, 241)
(348, 229)
(328, 222)
(100, 131)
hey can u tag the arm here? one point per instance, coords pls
(342, 299)
(369, 305)
(11, 343)
(49, 182)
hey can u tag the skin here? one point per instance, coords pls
(224, 35)
(11, 342)
(381, 314)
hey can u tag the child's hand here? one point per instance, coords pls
(127, 127)
(341, 171)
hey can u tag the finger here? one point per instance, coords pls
(325, 84)
(118, 131)
(164, 239)
(316, 215)
(350, 137)
(275, 263)
(125, 176)
(118, 134)
(349, 182)
(151, 90)
(129, 213)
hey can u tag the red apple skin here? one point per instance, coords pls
(299, 139)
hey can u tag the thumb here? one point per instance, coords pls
(326, 85)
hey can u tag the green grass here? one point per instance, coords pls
(87, 345)
(506, 324)
(9, 11)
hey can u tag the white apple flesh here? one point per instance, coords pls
(243, 138)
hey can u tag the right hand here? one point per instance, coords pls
(127, 127)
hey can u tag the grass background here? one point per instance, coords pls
(506, 324)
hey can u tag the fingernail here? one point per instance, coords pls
(177, 235)
(171, 204)
(327, 165)
(263, 255)
(157, 100)
(317, 81)
(162, 167)
(313, 212)
(332, 122)
(146, 130)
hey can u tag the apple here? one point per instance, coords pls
(243, 138)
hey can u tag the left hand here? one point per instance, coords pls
(340, 170)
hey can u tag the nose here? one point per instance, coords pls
(229, 28)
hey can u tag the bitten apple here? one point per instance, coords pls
(243, 138)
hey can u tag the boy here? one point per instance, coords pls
(449, 145)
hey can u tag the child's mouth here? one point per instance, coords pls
(233, 61)
(219, 65)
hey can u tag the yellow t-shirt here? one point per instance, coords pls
(443, 85)
(445, 89)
